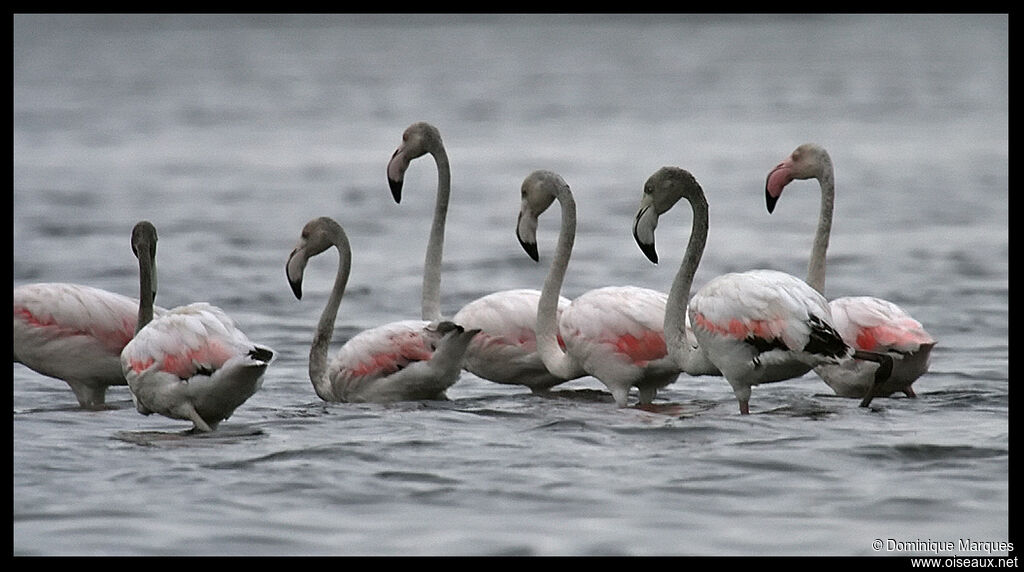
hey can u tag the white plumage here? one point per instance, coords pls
(74, 333)
(763, 326)
(191, 362)
(865, 322)
(615, 333)
(872, 324)
(400, 361)
(505, 349)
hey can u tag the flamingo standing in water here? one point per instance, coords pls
(613, 333)
(505, 350)
(756, 327)
(865, 322)
(662, 191)
(74, 333)
(401, 361)
(191, 362)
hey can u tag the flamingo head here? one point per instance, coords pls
(417, 140)
(144, 247)
(539, 190)
(662, 191)
(808, 161)
(317, 236)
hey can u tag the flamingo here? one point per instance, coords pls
(661, 191)
(615, 333)
(406, 360)
(865, 322)
(191, 362)
(505, 350)
(74, 333)
(759, 326)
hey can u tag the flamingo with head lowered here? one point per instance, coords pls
(756, 327)
(191, 362)
(865, 322)
(408, 360)
(505, 350)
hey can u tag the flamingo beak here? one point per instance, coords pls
(396, 173)
(526, 232)
(294, 269)
(775, 182)
(644, 223)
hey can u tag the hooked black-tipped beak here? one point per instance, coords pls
(777, 180)
(295, 283)
(769, 199)
(396, 173)
(296, 288)
(396, 189)
(530, 246)
(647, 247)
(531, 249)
(649, 251)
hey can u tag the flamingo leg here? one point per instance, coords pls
(881, 374)
(200, 423)
(89, 396)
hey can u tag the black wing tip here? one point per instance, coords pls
(825, 340)
(261, 354)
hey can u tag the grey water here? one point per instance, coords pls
(229, 132)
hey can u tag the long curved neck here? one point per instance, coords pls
(679, 295)
(325, 328)
(816, 266)
(432, 266)
(555, 359)
(147, 274)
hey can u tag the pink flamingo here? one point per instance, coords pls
(74, 333)
(615, 333)
(865, 322)
(401, 361)
(505, 350)
(191, 362)
(759, 326)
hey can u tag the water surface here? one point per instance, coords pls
(230, 132)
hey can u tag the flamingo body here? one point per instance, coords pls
(866, 323)
(401, 361)
(74, 333)
(505, 350)
(194, 364)
(616, 333)
(763, 326)
(191, 362)
(406, 360)
(873, 324)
